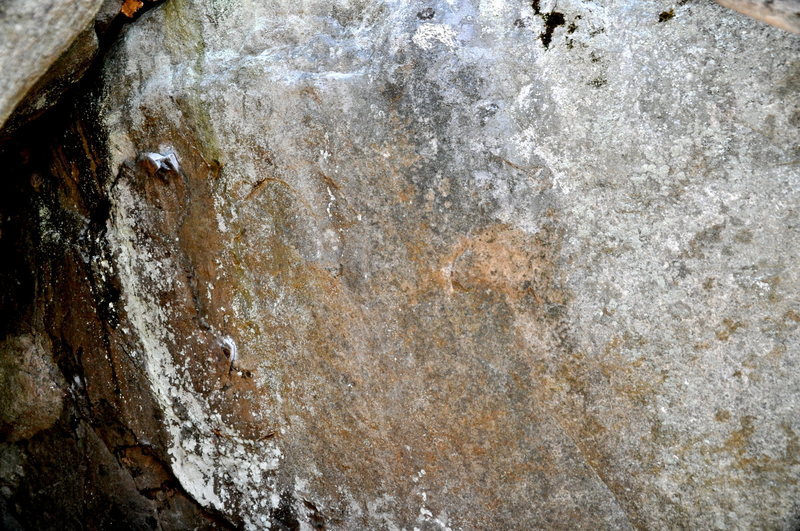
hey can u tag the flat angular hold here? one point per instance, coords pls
(154, 163)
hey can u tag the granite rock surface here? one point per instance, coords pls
(435, 265)
(484, 263)
(781, 13)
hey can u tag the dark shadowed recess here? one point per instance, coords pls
(89, 470)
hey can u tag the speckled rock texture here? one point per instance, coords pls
(432, 265)
(780, 13)
(33, 36)
(31, 387)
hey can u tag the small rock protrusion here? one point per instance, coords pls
(158, 164)
(228, 347)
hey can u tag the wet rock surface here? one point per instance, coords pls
(476, 265)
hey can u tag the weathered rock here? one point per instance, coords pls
(96, 465)
(466, 265)
(65, 72)
(781, 13)
(12, 461)
(487, 265)
(33, 36)
(31, 387)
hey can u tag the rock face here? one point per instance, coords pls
(32, 388)
(781, 13)
(434, 265)
(33, 35)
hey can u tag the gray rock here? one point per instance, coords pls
(66, 71)
(781, 13)
(33, 36)
(441, 265)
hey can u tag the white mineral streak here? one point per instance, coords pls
(428, 35)
(204, 465)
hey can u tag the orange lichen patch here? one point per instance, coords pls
(729, 327)
(504, 259)
(131, 7)
(406, 192)
(742, 447)
(311, 92)
(737, 442)
(722, 415)
(626, 341)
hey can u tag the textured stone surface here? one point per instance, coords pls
(486, 264)
(64, 73)
(466, 265)
(31, 387)
(781, 13)
(33, 35)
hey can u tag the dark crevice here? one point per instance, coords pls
(666, 15)
(53, 216)
(552, 20)
(168, 486)
(315, 517)
(284, 516)
(12, 132)
(426, 14)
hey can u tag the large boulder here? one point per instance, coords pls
(35, 34)
(389, 264)
(462, 264)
